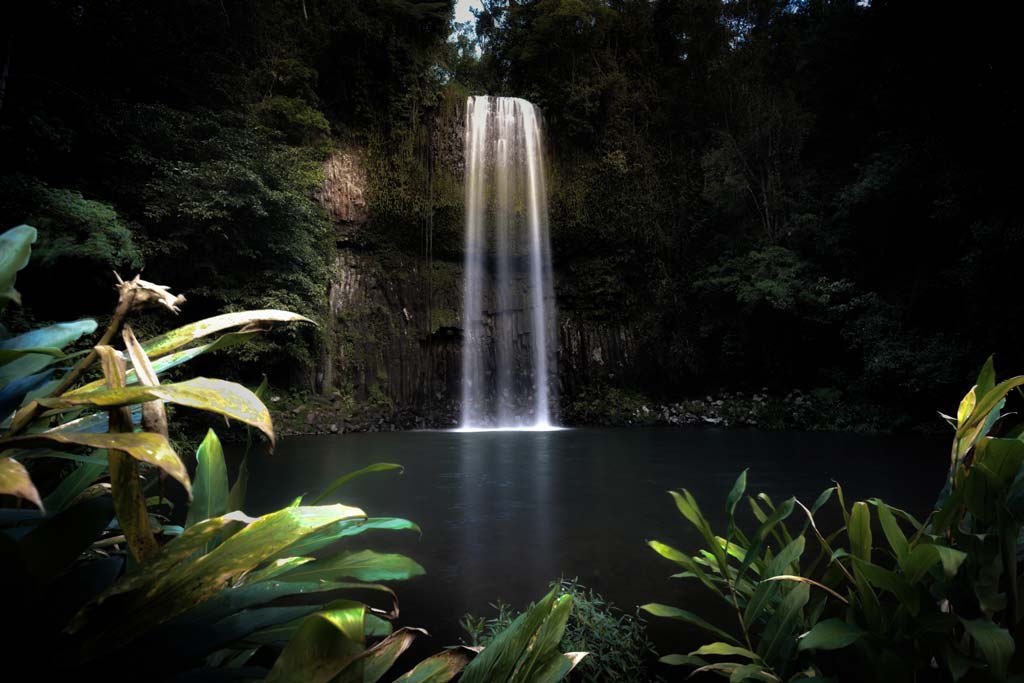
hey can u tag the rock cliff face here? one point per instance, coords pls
(393, 337)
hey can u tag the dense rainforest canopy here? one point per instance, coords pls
(774, 193)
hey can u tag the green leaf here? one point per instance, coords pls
(723, 650)
(859, 530)
(173, 360)
(322, 646)
(341, 481)
(893, 534)
(144, 446)
(78, 481)
(738, 489)
(52, 337)
(15, 481)
(767, 590)
(967, 404)
(757, 541)
(683, 560)
(187, 584)
(236, 496)
(364, 565)
(182, 336)
(670, 612)
(509, 649)
(345, 528)
(996, 644)
(781, 628)
(215, 395)
(543, 660)
(831, 634)
(440, 668)
(8, 355)
(987, 403)
(15, 251)
(379, 659)
(987, 377)
(889, 581)
(210, 490)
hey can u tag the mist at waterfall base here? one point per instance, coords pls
(508, 359)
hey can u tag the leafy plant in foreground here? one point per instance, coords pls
(617, 644)
(940, 596)
(228, 596)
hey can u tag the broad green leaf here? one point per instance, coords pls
(966, 407)
(249, 594)
(173, 360)
(440, 668)
(1003, 457)
(151, 448)
(723, 650)
(886, 580)
(831, 634)
(191, 543)
(182, 336)
(738, 489)
(322, 646)
(51, 337)
(8, 355)
(364, 565)
(342, 529)
(687, 506)
(859, 529)
(683, 560)
(78, 481)
(996, 644)
(215, 395)
(210, 489)
(502, 657)
(893, 534)
(670, 612)
(767, 590)
(15, 251)
(275, 568)
(781, 628)
(342, 480)
(751, 672)
(187, 584)
(236, 496)
(15, 481)
(757, 541)
(540, 662)
(987, 377)
(379, 659)
(987, 403)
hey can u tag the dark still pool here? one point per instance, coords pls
(505, 513)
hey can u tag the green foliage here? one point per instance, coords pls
(599, 403)
(617, 644)
(943, 591)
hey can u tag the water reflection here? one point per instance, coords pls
(504, 513)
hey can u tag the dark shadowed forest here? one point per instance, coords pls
(793, 195)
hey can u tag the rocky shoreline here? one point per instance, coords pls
(812, 410)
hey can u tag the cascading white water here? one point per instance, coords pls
(508, 316)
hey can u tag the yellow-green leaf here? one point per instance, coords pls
(215, 395)
(14, 481)
(151, 448)
(182, 336)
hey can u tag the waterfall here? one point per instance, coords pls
(508, 304)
